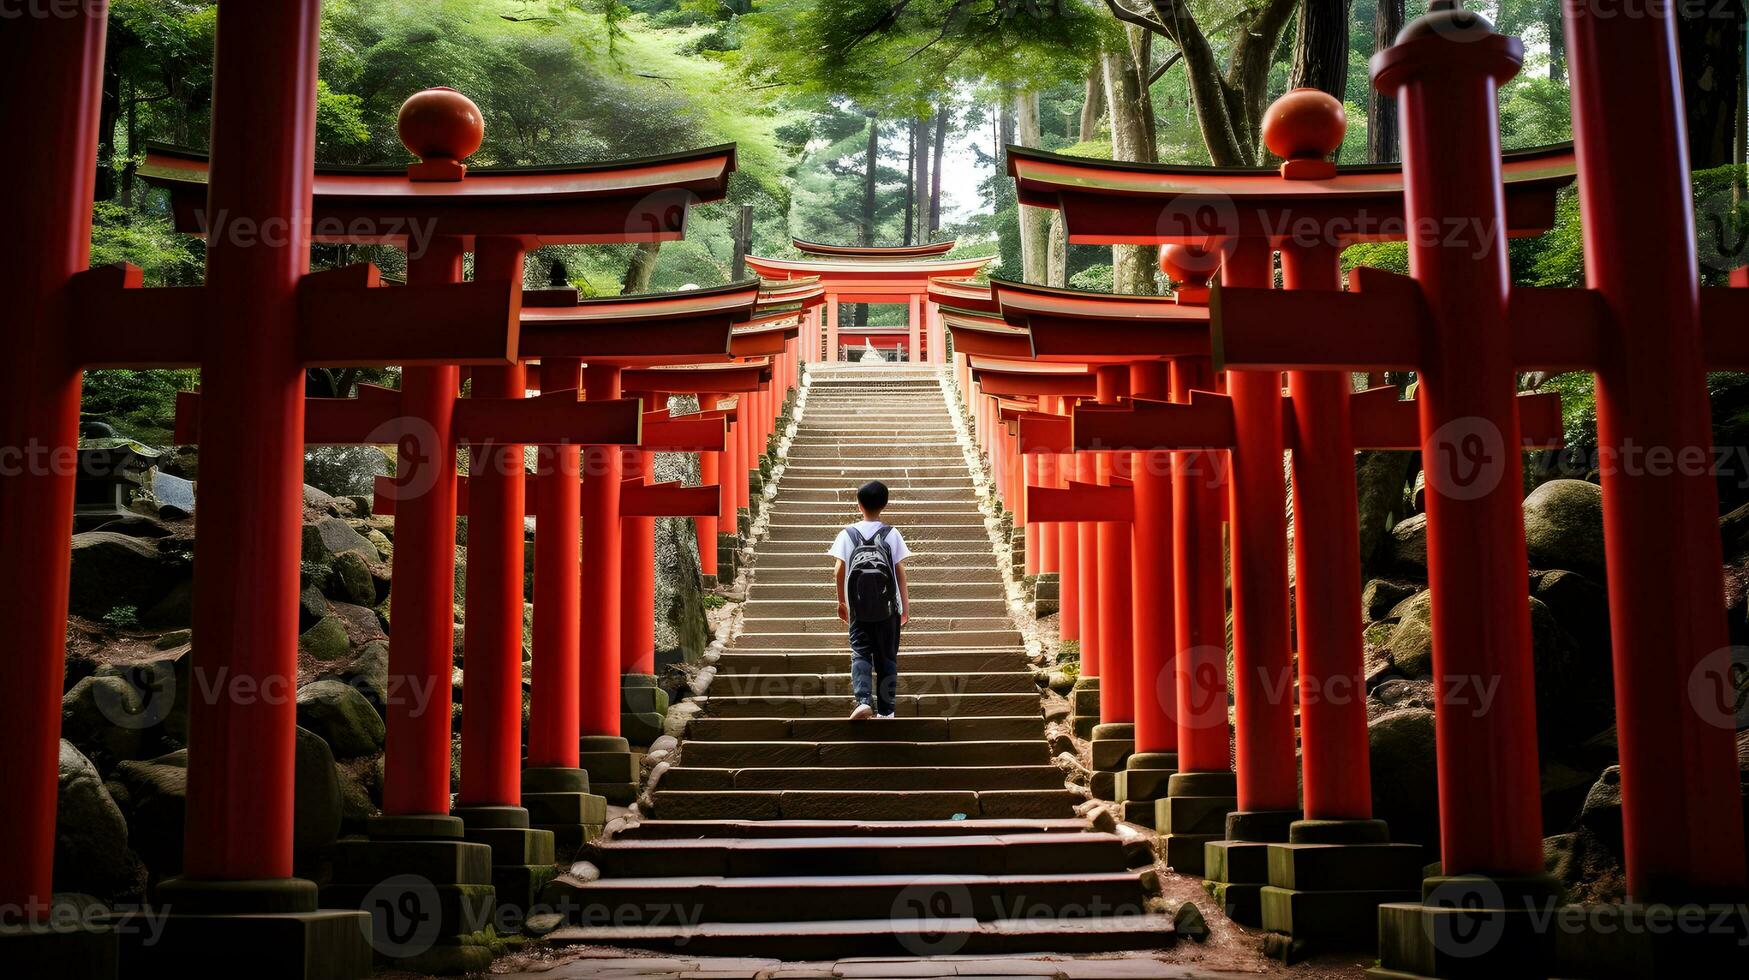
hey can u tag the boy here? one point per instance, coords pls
(873, 599)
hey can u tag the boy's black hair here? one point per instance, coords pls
(872, 496)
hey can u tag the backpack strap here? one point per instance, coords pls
(855, 538)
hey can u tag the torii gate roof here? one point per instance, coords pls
(638, 200)
(1106, 202)
(875, 251)
(1049, 324)
(654, 328)
(849, 269)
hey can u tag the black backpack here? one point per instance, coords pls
(870, 589)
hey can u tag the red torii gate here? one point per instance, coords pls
(1453, 179)
(855, 274)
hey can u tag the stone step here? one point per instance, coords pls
(831, 518)
(895, 778)
(742, 755)
(735, 662)
(921, 608)
(924, 454)
(756, 622)
(839, 705)
(908, 729)
(910, 682)
(981, 854)
(866, 804)
(961, 482)
(888, 936)
(773, 829)
(914, 533)
(797, 641)
(844, 498)
(826, 591)
(776, 574)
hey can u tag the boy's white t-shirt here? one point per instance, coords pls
(895, 541)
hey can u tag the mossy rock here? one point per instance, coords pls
(327, 640)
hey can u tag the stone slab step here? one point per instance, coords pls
(916, 534)
(772, 572)
(839, 684)
(811, 554)
(912, 729)
(653, 901)
(968, 705)
(822, 589)
(740, 755)
(826, 804)
(734, 663)
(980, 854)
(838, 640)
(929, 607)
(768, 829)
(887, 936)
(950, 776)
(825, 620)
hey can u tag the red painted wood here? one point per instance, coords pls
(1200, 604)
(1263, 727)
(53, 70)
(240, 804)
(1489, 793)
(637, 624)
(553, 695)
(1048, 535)
(1117, 701)
(491, 749)
(421, 603)
(599, 651)
(1338, 774)
(1086, 469)
(1154, 620)
(1670, 644)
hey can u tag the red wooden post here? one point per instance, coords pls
(1049, 562)
(1087, 563)
(709, 468)
(491, 771)
(1266, 794)
(1198, 573)
(637, 627)
(416, 749)
(1117, 704)
(54, 69)
(1333, 724)
(1670, 643)
(1068, 550)
(1445, 77)
(239, 820)
(600, 644)
(1154, 629)
(1030, 477)
(553, 700)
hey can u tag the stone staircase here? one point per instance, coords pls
(787, 830)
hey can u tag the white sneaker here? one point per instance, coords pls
(883, 716)
(861, 712)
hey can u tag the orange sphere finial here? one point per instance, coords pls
(1190, 267)
(1304, 127)
(442, 127)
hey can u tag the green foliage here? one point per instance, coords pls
(122, 618)
(140, 405)
(713, 600)
(165, 258)
(1094, 278)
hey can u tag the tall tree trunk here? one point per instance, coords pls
(643, 266)
(1092, 103)
(1321, 48)
(1710, 37)
(1057, 264)
(109, 110)
(1557, 45)
(1132, 266)
(1229, 104)
(910, 188)
(1381, 110)
(925, 154)
(870, 177)
(1035, 228)
(935, 175)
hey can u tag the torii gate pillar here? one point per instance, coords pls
(54, 68)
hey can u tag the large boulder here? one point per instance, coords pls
(156, 801)
(1579, 604)
(351, 580)
(1563, 527)
(91, 835)
(327, 641)
(1600, 814)
(1408, 545)
(1575, 693)
(1380, 596)
(106, 717)
(316, 822)
(1591, 872)
(331, 537)
(1379, 478)
(1411, 642)
(113, 571)
(1405, 782)
(368, 673)
(343, 718)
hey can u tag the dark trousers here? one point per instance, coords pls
(874, 650)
